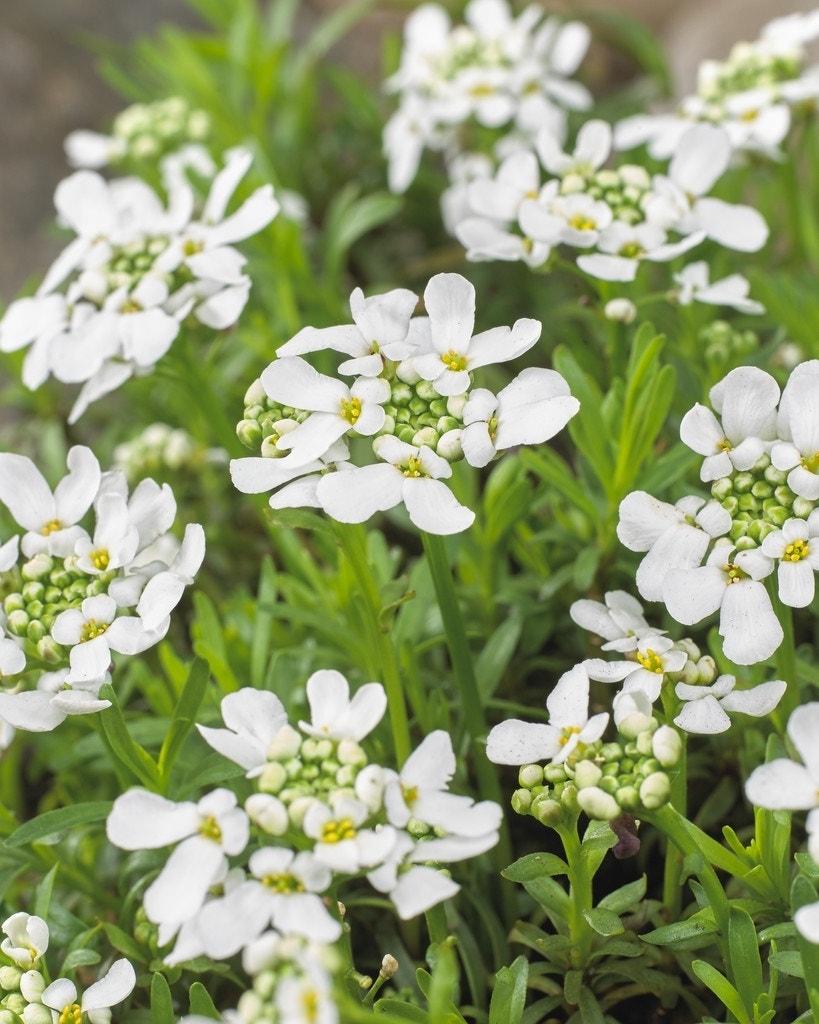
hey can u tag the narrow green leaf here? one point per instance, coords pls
(690, 934)
(201, 1003)
(590, 1011)
(788, 962)
(79, 958)
(604, 922)
(124, 748)
(535, 865)
(161, 1001)
(509, 993)
(184, 716)
(626, 897)
(743, 951)
(53, 822)
(42, 900)
(124, 942)
(722, 989)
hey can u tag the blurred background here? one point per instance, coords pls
(49, 85)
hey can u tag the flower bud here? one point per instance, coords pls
(15, 1002)
(547, 811)
(449, 445)
(268, 813)
(586, 773)
(722, 488)
(655, 791)
(628, 797)
(32, 986)
(802, 507)
(249, 433)
(522, 801)
(389, 966)
(666, 746)
(273, 777)
(598, 804)
(530, 775)
(706, 670)
(10, 978)
(36, 1013)
(38, 567)
(298, 808)
(621, 311)
(635, 723)
(17, 622)
(285, 744)
(643, 742)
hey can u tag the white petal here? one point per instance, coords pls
(750, 629)
(434, 508)
(141, 820)
(516, 742)
(703, 716)
(782, 785)
(450, 303)
(111, 989)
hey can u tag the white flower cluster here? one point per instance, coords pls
(616, 216)
(502, 73)
(162, 447)
(26, 995)
(412, 394)
(783, 784)
(74, 595)
(760, 458)
(292, 983)
(752, 95)
(322, 813)
(134, 272)
(143, 132)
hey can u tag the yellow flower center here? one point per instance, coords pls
(568, 732)
(724, 445)
(351, 410)
(749, 115)
(413, 467)
(651, 661)
(811, 462)
(100, 559)
(453, 360)
(310, 1005)
(283, 883)
(51, 527)
(92, 629)
(71, 1014)
(410, 794)
(796, 552)
(582, 222)
(632, 250)
(209, 829)
(130, 306)
(191, 248)
(735, 574)
(335, 831)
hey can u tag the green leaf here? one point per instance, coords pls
(201, 1003)
(161, 1001)
(42, 900)
(124, 942)
(743, 950)
(722, 989)
(509, 993)
(184, 716)
(496, 655)
(788, 962)
(53, 822)
(573, 986)
(535, 865)
(401, 1010)
(79, 958)
(624, 898)
(604, 922)
(590, 1011)
(125, 749)
(693, 933)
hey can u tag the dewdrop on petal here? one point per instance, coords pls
(621, 311)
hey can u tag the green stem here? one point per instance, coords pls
(352, 539)
(672, 870)
(464, 672)
(785, 659)
(580, 896)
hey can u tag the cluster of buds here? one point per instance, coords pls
(609, 778)
(142, 133)
(160, 447)
(759, 502)
(724, 343)
(28, 998)
(623, 189)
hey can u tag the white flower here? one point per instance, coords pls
(26, 939)
(620, 621)
(747, 398)
(784, 784)
(591, 150)
(164, 589)
(93, 630)
(796, 548)
(704, 711)
(209, 831)
(340, 842)
(797, 446)
(408, 474)
(51, 518)
(116, 985)
(728, 582)
(569, 728)
(335, 408)
(674, 536)
(529, 410)
(333, 715)
(379, 332)
(450, 302)
(43, 709)
(729, 291)
(656, 656)
(253, 718)
(115, 539)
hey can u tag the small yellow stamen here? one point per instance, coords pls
(71, 1014)
(351, 410)
(632, 250)
(810, 462)
(724, 445)
(735, 574)
(453, 360)
(582, 222)
(283, 883)
(51, 527)
(568, 732)
(100, 559)
(335, 831)
(209, 829)
(310, 1005)
(92, 629)
(413, 467)
(796, 552)
(651, 661)
(410, 794)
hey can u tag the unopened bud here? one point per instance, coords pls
(10, 978)
(389, 966)
(285, 744)
(632, 725)
(706, 670)
(598, 804)
(621, 311)
(522, 801)
(273, 777)
(32, 986)
(722, 488)
(449, 445)
(249, 433)
(655, 791)
(530, 775)
(802, 507)
(268, 813)
(547, 811)
(36, 1013)
(666, 745)
(586, 773)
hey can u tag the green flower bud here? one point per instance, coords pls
(298, 808)
(521, 801)
(60, 578)
(33, 591)
(785, 496)
(15, 1002)
(731, 504)
(249, 433)
(743, 482)
(530, 775)
(346, 775)
(746, 543)
(802, 507)
(628, 797)
(49, 651)
(648, 766)
(13, 603)
(722, 488)
(706, 670)
(609, 783)
(632, 725)
(598, 804)
(548, 811)
(586, 773)
(35, 631)
(689, 673)
(611, 751)
(405, 433)
(554, 773)
(255, 394)
(17, 622)
(351, 753)
(775, 476)
(449, 445)
(10, 978)
(643, 742)
(272, 778)
(425, 390)
(427, 436)
(52, 595)
(762, 489)
(748, 503)
(34, 609)
(37, 568)
(655, 791)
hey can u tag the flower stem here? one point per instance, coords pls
(464, 672)
(580, 895)
(785, 659)
(352, 539)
